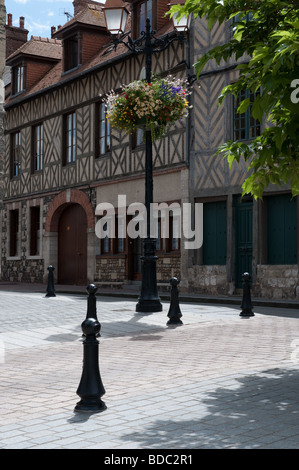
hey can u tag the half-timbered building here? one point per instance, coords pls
(63, 160)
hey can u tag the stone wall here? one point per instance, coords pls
(277, 281)
(110, 269)
(208, 280)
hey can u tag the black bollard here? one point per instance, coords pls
(92, 302)
(91, 388)
(50, 287)
(174, 312)
(246, 305)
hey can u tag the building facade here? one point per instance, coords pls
(239, 234)
(62, 160)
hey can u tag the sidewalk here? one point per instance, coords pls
(218, 381)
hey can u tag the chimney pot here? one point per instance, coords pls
(9, 19)
(53, 30)
(22, 22)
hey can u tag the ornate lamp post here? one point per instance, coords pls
(115, 16)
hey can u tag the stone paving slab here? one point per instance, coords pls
(219, 381)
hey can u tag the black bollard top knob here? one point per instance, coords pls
(91, 327)
(246, 277)
(91, 289)
(174, 281)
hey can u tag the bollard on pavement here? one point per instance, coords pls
(174, 312)
(50, 286)
(92, 303)
(246, 304)
(90, 388)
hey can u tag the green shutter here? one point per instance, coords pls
(214, 233)
(282, 230)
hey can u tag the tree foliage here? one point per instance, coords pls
(266, 32)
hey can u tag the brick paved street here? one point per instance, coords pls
(218, 381)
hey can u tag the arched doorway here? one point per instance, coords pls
(72, 246)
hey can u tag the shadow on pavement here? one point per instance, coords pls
(259, 410)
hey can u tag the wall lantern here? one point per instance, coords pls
(182, 25)
(116, 16)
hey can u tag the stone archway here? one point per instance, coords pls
(62, 202)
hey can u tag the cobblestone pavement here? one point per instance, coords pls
(218, 381)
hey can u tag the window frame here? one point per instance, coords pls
(18, 80)
(103, 131)
(15, 154)
(252, 126)
(69, 138)
(70, 53)
(140, 17)
(37, 147)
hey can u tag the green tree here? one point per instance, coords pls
(266, 32)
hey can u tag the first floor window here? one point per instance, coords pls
(103, 143)
(15, 154)
(245, 127)
(38, 147)
(70, 138)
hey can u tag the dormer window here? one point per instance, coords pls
(70, 53)
(144, 10)
(18, 79)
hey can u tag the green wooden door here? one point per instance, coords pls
(243, 218)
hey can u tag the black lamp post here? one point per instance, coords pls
(115, 16)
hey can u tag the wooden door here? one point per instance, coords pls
(135, 249)
(72, 246)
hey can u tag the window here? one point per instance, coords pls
(38, 147)
(103, 137)
(172, 241)
(144, 10)
(34, 231)
(14, 233)
(214, 233)
(15, 154)
(18, 79)
(110, 245)
(69, 138)
(138, 137)
(71, 53)
(245, 127)
(282, 229)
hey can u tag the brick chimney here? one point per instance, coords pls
(16, 36)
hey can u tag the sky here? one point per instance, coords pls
(39, 15)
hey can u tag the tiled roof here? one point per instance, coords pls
(54, 47)
(91, 15)
(40, 47)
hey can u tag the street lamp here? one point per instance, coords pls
(115, 13)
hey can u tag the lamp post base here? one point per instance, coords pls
(149, 301)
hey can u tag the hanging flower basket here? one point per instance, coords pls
(154, 106)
